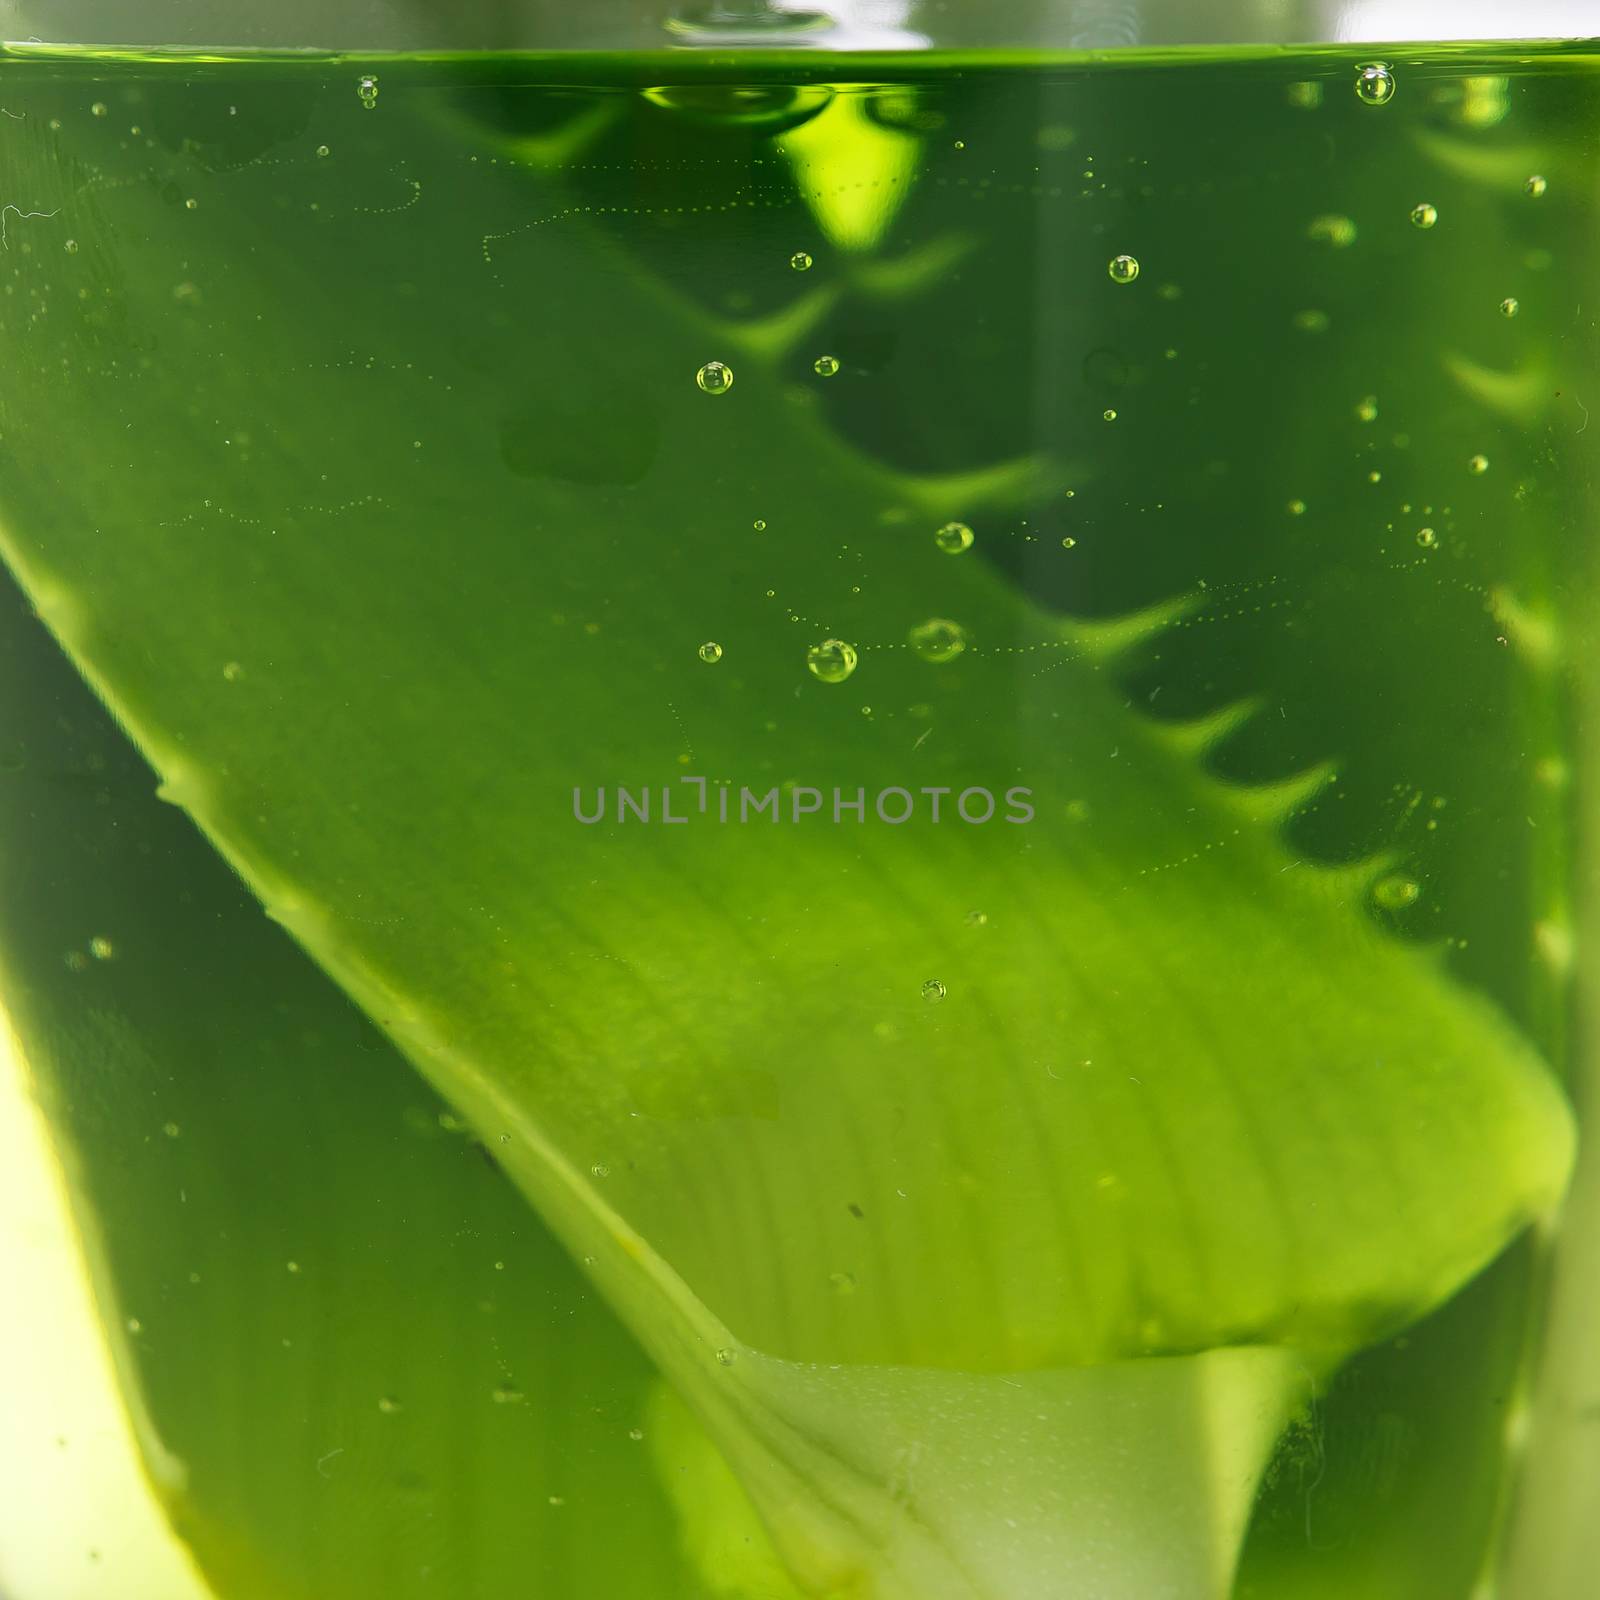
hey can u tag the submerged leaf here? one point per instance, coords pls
(354, 1362)
(1184, 1096)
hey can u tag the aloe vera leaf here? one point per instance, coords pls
(1218, 1106)
(355, 1363)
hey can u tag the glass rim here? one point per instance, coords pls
(1090, 27)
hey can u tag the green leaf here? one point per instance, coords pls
(354, 1362)
(1189, 1125)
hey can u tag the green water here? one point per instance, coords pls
(807, 425)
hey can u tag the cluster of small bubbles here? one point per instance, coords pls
(71, 247)
(367, 92)
(388, 1405)
(1427, 538)
(600, 1170)
(726, 1357)
(1367, 409)
(1375, 84)
(1396, 891)
(1424, 215)
(933, 991)
(171, 1129)
(1477, 465)
(1535, 186)
(1509, 307)
(102, 948)
(1305, 95)
(1123, 269)
(506, 1395)
(825, 366)
(1296, 508)
(938, 639)
(76, 961)
(323, 150)
(636, 1434)
(760, 524)
(801, 261)
(953, 538)
(715, 377)
(1069, 543)
(98, 109)
(1109, 414)
(711, 651)
(232, 671)
(832, 661)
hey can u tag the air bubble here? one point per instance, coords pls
(71, 247)
(102, 949)
(636, 1434)
(172, 1130)
(726, 1357)
(842, 1282)
(1396, 891)
(99, 109)
(715, 377)
(1427, 538)
(760, 524)
(711, 652)
(1069, 543)
(832, 661)
(1367, 409)
(1535, 186)
(232, 671)
(323, 150)
(367, 92)
(1477, 465)
(938, 639)
(388, 1405)
(953, 538)
(1123, 269)
(1510, 306)
(1375, 84)
(1109, 414)
(977, 919)
(825, 366)
(600, 1170)
(1296, 508)
(801, 261)
(507, 1395)
(933, 991)
(1424, 216)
